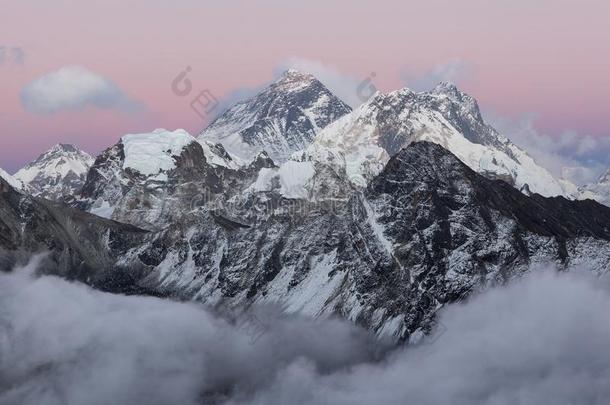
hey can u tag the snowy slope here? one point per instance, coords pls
(60, 172)
(283, 118)
(364, 140)
(152, 153)
(599, 191)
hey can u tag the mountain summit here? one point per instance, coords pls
(281, 119)
(59, 172)
(381, 127)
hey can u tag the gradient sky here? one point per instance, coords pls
(547, 59)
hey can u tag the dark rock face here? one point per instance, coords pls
(280, 120)
(427, 231)
(79, 245)
(105, 164)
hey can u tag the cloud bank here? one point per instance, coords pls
(64, 343)
(74, 88)
(541, 340)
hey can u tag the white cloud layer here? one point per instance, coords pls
(541, 340)
(74, 88)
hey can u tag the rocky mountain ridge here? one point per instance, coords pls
(427, 231)
(58, 173)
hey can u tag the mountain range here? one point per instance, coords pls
(381, 215)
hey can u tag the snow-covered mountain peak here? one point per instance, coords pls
(57, 173)
(281, 119)
(61, 158)
(13, 182)
(293, 78)
(447, 88)
(151, 179)
(388, 122)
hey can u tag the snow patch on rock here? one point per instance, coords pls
(151, 153)
(292, 178)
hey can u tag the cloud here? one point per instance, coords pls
(540, 340)
(74, 88)
(12, 55)
(454, 71)
(64, 343)
(573, 156)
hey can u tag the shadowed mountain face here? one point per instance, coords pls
(282, 119)
(78, 245)
(427, 231)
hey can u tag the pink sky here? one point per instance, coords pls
(547, 57)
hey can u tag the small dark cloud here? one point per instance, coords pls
(12, 55)
(18, 55)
